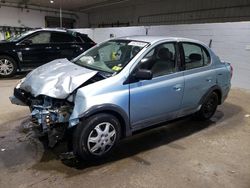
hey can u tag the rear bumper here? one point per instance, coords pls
(225, 93)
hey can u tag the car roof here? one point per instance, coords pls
(154, 39)
(51, 29)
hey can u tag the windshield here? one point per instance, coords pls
(19, 36)
(111, 56)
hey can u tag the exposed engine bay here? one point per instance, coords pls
(49, 114)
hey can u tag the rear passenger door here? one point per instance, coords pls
(199, 76)
(65, 45)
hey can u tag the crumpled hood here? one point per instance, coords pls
(56, 79)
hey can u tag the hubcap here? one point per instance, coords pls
(6, 67)
(101, 138)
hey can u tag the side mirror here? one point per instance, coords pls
(27, 42)
(143, 74)
(144, 63)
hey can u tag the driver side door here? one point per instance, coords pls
(159, 99)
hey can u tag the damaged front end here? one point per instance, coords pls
(53, 117)
(50, 114)
(49, 92)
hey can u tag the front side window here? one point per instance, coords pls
(111, 56)
(195, 56)
(161, 60)
(40, 38)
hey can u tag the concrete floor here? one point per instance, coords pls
(186, 153)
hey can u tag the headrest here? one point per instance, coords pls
(195, 57)
(165, 54)
(135, 50)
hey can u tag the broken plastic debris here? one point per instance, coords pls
(67, 155)
(247, 115)
(3, 149)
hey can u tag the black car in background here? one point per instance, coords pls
(37, 47)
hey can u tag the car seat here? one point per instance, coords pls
(164, 63)
(195, 60)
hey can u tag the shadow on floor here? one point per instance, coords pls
(17, 76)
(144, 141)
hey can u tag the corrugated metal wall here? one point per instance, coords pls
(173, 12)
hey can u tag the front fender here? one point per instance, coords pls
(113, 109)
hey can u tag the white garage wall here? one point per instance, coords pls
(231, 41)
(89, 32)
(102, 34)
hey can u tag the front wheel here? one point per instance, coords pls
(96, 137)
(209, 107)
(8, 66)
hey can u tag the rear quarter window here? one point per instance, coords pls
(86, 39)
(195, 56)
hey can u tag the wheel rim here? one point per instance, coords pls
(6, 67)
(210, 106)
(101, 138)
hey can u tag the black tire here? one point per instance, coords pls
(10, 70)
(209, 107)
(86, 129)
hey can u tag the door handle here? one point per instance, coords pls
(177, 87)
(209, 79)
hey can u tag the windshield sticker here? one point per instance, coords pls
(140, 44)
(116, 68)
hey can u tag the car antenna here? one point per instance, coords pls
(210, 43)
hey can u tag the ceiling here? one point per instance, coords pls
(69, 5)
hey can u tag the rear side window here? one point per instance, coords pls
(195, 56)
(61, 37)
(78, 39)
(85, 38)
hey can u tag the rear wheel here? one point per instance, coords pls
(8, 66)
(209, 107)
(96, 137)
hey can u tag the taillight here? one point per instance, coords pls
(231, 70)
